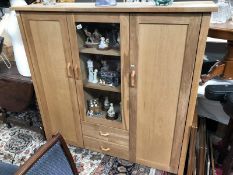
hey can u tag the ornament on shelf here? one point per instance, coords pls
(90, 111)
(104, 44)
(90, 71)
(92, 39)
(105, 66)
(95, 79)
(106, 103)
(94, 108)
(110, 78)
(111, 112)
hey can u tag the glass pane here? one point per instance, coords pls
(99, 47)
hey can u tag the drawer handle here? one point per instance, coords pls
(104, 134)
(105, 149)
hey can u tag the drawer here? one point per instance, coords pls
(108, 134)
(106, 147)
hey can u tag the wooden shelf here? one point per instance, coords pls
(110, 52)
(101, 87)
(104, 121)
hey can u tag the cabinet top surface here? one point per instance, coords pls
(194, 6)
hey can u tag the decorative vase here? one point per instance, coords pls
(163, 2)
(105, 2)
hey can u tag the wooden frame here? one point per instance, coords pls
(55, 139)
(195, 83)
(123, 20)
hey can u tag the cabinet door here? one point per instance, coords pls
(50, 57)
(115, 57)
(162, 55)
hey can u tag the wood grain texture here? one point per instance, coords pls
(195, 83)
(125, 54)
(185, 87)
(160, 106)
(157, 100)
(48, 40)
(133, 90)
(199, 6)
(37, 87)
(104, 133)
(221, 31)
(112, 148)
(192, 146)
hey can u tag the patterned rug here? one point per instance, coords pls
(18, 144)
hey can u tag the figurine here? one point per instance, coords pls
(111, 112)
(91, 109)
(106, 103)
(95, 79)
(96, 36)
(104, 44)
(110, 78)
(90, 71)
(97, 107)
(105, 66)
(92, 39)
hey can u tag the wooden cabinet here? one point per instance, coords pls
(50, 56)
(158, 59)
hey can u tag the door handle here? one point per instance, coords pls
(69, 70)
(132, 76)
(76, 72)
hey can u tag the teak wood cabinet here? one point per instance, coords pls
(160, 57)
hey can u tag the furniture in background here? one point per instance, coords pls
(224, 68)
(16, 91)
(224, 94)
(52, 158)
(157, 66)
(17, 97)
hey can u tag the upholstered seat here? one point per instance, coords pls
(7, 169)
(53, 158)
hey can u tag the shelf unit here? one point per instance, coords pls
(98, 91)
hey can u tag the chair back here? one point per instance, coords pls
(53, 158)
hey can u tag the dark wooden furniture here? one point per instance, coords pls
(223, 68)
(224, 94)
(35, 159)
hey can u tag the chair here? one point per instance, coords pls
(224, 94)
(53, 158)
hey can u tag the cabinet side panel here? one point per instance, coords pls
(160, 61)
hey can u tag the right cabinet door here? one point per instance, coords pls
(162, 55)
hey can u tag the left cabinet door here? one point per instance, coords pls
(48, 48)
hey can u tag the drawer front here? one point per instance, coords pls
(113, 135)
(106, 147)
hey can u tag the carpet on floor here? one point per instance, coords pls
(18, 144)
